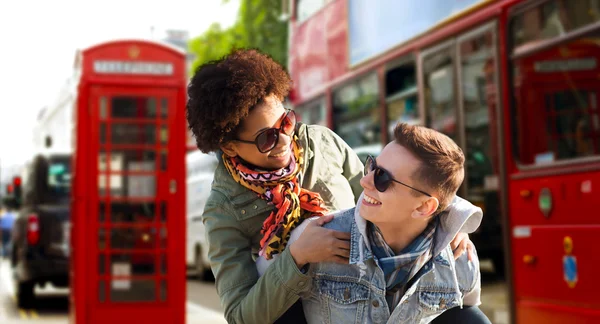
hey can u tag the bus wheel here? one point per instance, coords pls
(24, 294)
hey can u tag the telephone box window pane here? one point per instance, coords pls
(163, 237)
(163, 290)
(164, 107)
(163, 160)
(101, 291)
(103, 108)
(102, 133)
(140, 186)
(138, 238)
(133, 185)
(129, 133)
(163, 211)
(163, 264)
(127, 290)
(133, 107)
(164, 134)
(127, 212)
(101, 264)
(101, 239)
(134, 264)
(101, 212)
(129, 160)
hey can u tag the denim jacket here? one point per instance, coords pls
(355, 293)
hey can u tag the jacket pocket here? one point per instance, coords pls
(343, 302)
(434, 302)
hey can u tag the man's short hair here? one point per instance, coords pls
(442, 162)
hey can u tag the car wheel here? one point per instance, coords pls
(24, 294)
(199, 265)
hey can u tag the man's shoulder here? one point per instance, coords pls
(342, 220)
(447, 271)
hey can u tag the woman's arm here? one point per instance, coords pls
(246, 297)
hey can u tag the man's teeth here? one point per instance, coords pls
(371, 200)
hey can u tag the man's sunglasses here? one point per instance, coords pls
(268, 138)
(382, 177)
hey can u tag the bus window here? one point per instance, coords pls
(313, 113)
(356, 117)
(401, 96)
(556, 88)
(551, 19)
(440, 104)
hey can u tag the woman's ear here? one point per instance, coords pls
(230, 149)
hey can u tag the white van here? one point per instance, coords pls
(200, 171)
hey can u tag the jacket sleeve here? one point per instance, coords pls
(353, 168)
(246, 297)
(473, 296)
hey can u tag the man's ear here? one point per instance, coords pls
(427, 208)
(229, 148)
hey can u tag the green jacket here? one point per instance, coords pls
(234, 215)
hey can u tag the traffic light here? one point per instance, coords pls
(17, 193)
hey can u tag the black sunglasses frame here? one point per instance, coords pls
(277, 131)
(371, 162)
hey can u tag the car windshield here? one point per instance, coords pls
(59, 178)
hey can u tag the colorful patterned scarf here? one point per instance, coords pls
(280, 188)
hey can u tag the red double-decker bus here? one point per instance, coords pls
(515, 83)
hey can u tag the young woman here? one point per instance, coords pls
(273, 173)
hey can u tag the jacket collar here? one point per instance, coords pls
(460, 216)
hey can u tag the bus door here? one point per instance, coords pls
(553, 188)
(460, 99)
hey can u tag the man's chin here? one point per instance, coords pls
(364, 212)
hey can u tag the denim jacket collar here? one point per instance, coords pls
(460, 216)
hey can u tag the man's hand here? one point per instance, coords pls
(462, 243)
(318, 244)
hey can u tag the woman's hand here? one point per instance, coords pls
(462, 243)
(318, 244)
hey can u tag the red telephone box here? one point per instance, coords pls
(128, 223)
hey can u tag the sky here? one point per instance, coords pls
(39, 40)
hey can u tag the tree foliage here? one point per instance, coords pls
(257, 26)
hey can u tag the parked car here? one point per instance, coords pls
(40, 240)
(200, 172)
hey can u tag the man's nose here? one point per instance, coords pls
(367, 181)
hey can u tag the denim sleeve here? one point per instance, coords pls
(246, 297)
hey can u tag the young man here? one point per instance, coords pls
(402, 268)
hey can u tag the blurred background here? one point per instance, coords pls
(514, 82)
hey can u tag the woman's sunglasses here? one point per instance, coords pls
(382, 177)
(268, 138)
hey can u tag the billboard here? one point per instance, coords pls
(377, 26)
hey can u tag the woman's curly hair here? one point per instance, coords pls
(221, 93)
